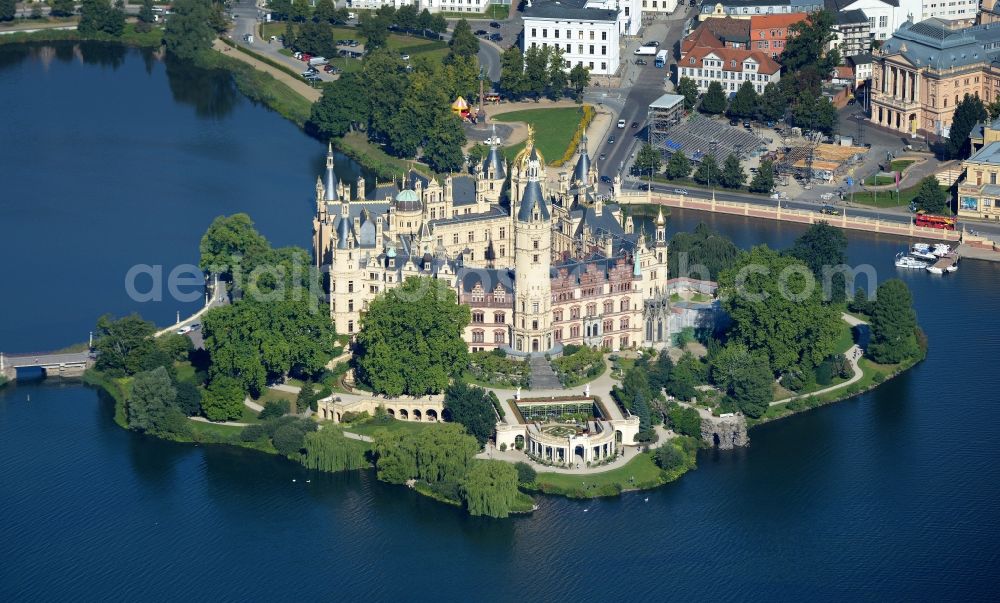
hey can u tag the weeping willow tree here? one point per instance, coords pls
(329, 450)
(490, 488)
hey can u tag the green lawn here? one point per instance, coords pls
(898, 165)
(498, 12)
(879, 180)
(640, 472)
(370, 427)
(271, 394)
(845, 340)
(413, 46)
(886, 198)
(554, 129)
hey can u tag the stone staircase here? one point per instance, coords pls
(542, 375)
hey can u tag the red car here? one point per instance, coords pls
(306, 57)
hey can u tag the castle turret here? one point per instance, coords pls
(491, 173)
(532, 329)
(330, 184)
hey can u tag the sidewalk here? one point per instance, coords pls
(853, 355)
(300, 86)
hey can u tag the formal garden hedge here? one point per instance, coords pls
(496, 369)
(578, 364)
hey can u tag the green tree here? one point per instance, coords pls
(463, 43)
(490, 488)
(406, 17)
(316, 39)
(860, 304)
(64, 8)
(669, 457)
(815, 113)
(714, 101)
(330, 450)
(439, 24)
(175, 347)
(8, 9)
(732, 175)
(930, 196)
(808, 44)
(648, 160)
(280, 9)
(689, 90)
(123, 344)
(763, 180)
(512, 72)
(688, 373)
(382, 73)
(343, 107)
(773, 103)
(150, 400)
(579, 78)
(745, 377)
(746, 101)
(442, 454)
(685, 421)
(188, 399)
(289, 440)
(536, 70)
(424, 20)
(708, 171)
(821, 245)
(229, 243)
(472, 407)
(893, 324)
(679, 166)
(558, 80)
(223, 400)
(701, 254)
(188, 31)
(325, 12)
(300, 11)
(776, 308)
(146, 16)
(443, 151)
(374, 30)
(274, 409)
(99, 16)
(421, 314)
(526, 474)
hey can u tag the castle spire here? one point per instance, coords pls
(331, 176)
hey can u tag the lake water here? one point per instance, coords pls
(891, 495)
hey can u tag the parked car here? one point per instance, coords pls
(184, 330)
(621, 123)
(851, 101)
(481, 32)
(653, 43)
(297, 55)
(640, 61)
(308, 72)
(405, 57)
(602, 157)
(680, 191)
(734, 122)
(746, 124)
(496, 38)
(635, 125)
(611, 140)
(353, 43)
(829, 210)
(642, 186)
(494, 25)
(606, 179)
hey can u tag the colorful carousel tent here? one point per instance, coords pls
(460, 107)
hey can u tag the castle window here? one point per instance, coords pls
(454, 238)
(591, 309)
(535, 243)
(623, 323)
(534, 258)
(477, 336)
(574, 312)
(534, 307)
(624, 305)
(558, 334)
(503, 232)
(498, 317)
(609, 325)
(557, 316)
(609, 307)
(472, 236)
(534, 325)
(498, 337)
(503, 251)
(350, 286)
(350, 305)
(574, 331)
(350, 326)
(477, 317)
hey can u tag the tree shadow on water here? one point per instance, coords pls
(211, 92)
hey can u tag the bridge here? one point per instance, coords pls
(71, 364)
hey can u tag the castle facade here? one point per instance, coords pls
(540, 263)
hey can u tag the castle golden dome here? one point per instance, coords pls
(529, 153)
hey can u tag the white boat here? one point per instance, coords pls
(923, 254)
(921, 247)
(941, 249)
(905, 261)
(952, 268)
(934, 270)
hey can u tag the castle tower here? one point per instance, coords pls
(532, 330)
(491, 173)
(582, 172)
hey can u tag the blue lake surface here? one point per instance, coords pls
(119, 159)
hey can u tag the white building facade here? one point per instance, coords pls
(730, 67)
(587, 36)
(658, 6)
(434, 6)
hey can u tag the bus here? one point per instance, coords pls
(661, 59)
(931, 221)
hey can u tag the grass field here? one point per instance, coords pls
(554, 129)
(640, 472)
(885, 198)
(434, 50)
(369, 427)
(272, 394)
(898, 165)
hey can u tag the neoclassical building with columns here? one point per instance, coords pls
(925, 69)
(541, 262)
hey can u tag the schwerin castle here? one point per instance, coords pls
(539, 267)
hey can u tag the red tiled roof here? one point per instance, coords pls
(843, 72)
(700, 37)
(778, 21)
(728, 28)
(765, 63)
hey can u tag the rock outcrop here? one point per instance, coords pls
(725, 432)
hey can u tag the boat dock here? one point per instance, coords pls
(946, 263)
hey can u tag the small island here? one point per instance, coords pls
(502, 333)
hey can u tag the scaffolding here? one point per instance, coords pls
(699, 136)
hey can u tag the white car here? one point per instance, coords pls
(183, 330)
(405, 57)
(826, 196)
(493, 140)
(621, 123)
(680, 191)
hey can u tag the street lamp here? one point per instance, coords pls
(712, 146)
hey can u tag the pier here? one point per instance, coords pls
(71, 364)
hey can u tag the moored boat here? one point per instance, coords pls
(905, 261)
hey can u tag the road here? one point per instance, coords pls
(647, 86)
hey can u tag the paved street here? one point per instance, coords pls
(647, 86)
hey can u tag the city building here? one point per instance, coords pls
(922, 72)
(862, 65)
(979, 191)
(551, 262)
(434, 6)
(768, 33)
(715, 31)
(659, 6)
(587, 31)
(852, 33)
(707, 59)
(745, 9)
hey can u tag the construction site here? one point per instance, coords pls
(818, 160)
